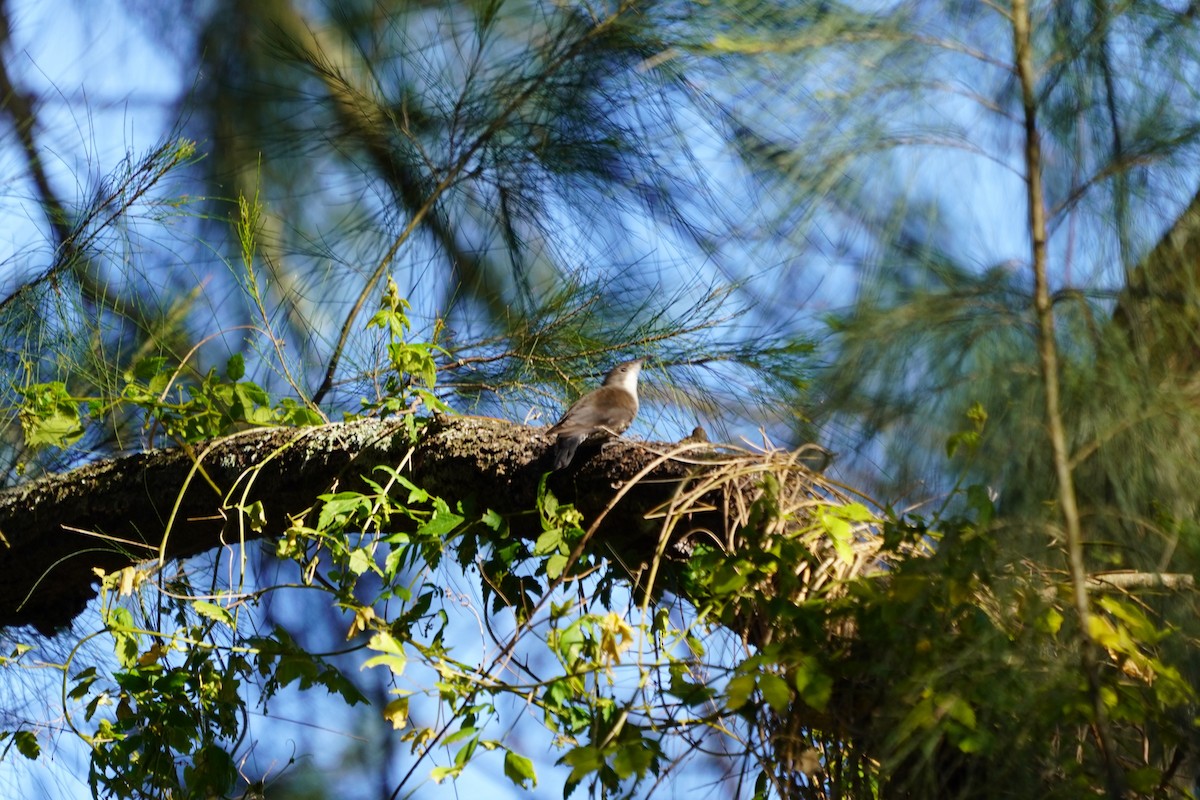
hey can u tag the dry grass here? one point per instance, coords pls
(766, 496)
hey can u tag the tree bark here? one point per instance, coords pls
(183, 501)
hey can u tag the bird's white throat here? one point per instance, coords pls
(629, 381)
(625, 377)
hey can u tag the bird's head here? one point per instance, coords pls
(625, 375)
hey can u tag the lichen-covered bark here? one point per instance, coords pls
(58, 529)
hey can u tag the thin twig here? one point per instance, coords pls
(1048, 360)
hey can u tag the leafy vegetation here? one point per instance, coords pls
(987, 592)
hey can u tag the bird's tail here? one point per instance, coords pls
(565, 450)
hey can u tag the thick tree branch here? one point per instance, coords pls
(114, 513)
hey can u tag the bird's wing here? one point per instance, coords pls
(600, 409)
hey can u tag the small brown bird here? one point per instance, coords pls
(608, 410)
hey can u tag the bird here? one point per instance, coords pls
(607, 410)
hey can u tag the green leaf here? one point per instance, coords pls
(973, 742)
(442, 522)
(555, 565)
(814, 685)
(738, 691)
(27, 744)
(638, 754)
(519, 769)
(583, 760)
(550, 541)
(125, 640)
(692, 694)
(342, 508)
(958, 710)
(465, 753)
(548, 502)
(360, 561)
(256, 515)
(966, 439)
(235, 367)
(83, 682)
(147, 368)
(394, 561)
(1139, 625)
(775, 691)
(213, 611)
(50, 416)
(841, 534)
(249, 403)
(1144, 780)
(979, 499)
(763, 784)
(415, 493)
(855, 512)
(460, 734)
(211, 768)
(297, 414)
(570, 644)
(1050, 622)
(727, 579)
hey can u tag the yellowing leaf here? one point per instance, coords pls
(396, 712)
(392, 653)
(439, 774)
(615, 636)
(128, 578)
